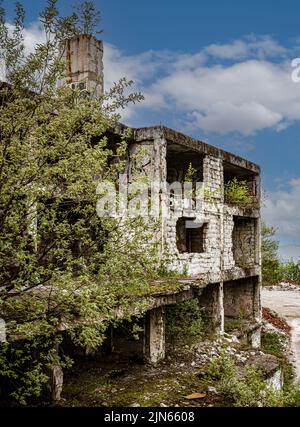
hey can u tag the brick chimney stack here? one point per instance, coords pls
(84, 57)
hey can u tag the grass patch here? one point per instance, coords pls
(272, 343)
(92, 387)
(239, 324)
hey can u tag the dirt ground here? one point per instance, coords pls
(114, 384)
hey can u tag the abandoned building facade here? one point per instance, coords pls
(216, 249)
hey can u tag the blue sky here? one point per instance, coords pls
(219, 70)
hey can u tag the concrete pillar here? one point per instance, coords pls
(257, 307)
(211, 300)
(56, 379)
(221, 306)
(154, 345)
(57, 382)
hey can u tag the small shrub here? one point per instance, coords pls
(237, 193)
(249, 390)
(290, 271)
(190, 174)
(184, 324)
(273, 343)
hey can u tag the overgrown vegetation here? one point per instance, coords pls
(184, 323)
(248, 388)
(237, 193)
(274, 270)
(61, 266)
(273, 343)
(290, 271)
(239, 323)
(270, 259)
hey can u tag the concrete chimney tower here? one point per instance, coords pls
(84, 57)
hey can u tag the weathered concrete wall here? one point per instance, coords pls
(213, 176)
(84, 59)
(244, 241)
(211, 301)
(230, 244)
(242, 298)
(196, 263)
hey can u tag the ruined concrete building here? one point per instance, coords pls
(220, 255)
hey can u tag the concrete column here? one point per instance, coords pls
(154, 345)
(56, 379)
(257, 308)
(211, 300)
(221, 305)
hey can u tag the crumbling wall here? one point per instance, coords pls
(228, 245)
(211, 302)
(242, 299)
(193, 264)
(241, 240)
(244, 241)
(213, 177)
(228, 258)
(84, 57)
(208, 215)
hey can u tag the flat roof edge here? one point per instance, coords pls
(156, 132)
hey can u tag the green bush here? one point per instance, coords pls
(273, 343)
(273, 270)
(237, 193)
(290, 271)
(250, 389)
(184, 324)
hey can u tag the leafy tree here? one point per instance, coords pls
(270, 260)
(62, 268)
(89, 17)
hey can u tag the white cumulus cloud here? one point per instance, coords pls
(245, 94)
(243, 86)
(282, 209)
